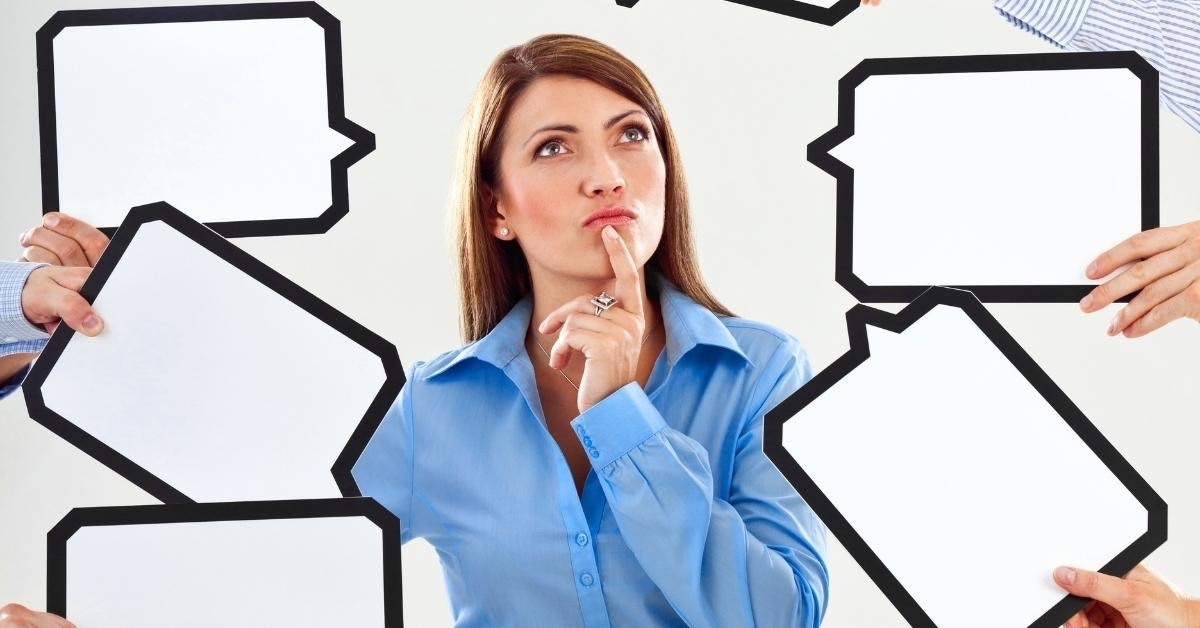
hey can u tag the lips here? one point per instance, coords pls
(609, 216)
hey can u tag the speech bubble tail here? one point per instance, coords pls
(833, 151)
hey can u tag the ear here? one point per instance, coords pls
(493, 208)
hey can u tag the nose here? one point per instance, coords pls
(603, 178)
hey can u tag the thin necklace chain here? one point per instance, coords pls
(560, 371)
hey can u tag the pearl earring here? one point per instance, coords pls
(504, 231)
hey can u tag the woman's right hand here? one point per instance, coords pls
(63, 240)
(17, 616)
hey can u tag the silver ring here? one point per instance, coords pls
(602, 302)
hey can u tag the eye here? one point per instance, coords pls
(639, 133)
(542, 152)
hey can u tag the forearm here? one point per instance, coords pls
(1193, 612)
(10, 365)
(713, 567)
(1166, 34)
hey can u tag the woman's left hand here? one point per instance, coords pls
(1166, 268)
(610, 343)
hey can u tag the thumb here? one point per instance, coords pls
(77, 313)
(1115, 592)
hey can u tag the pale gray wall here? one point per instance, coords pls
(746, 90)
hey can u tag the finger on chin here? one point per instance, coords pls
(625, 270)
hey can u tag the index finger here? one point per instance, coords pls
(1136, 247)
(627, 289)
(90, 239)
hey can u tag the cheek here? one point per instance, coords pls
(533, 201)
(651, 182)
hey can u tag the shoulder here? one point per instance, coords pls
(764, 343)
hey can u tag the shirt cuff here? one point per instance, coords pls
(1056, 21)
(14, 327)
(14, 382)
(617, 424)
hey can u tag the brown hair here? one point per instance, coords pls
(492, 273)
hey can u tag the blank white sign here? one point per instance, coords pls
(218, 385)
(293, 572)
(226, 118)
(958, 473)
(1008, 177)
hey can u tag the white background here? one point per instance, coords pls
(746, 90)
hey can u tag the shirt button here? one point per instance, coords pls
(595, 453)
(586, 579)
(581, 539)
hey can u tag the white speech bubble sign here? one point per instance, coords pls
(301, 564)
(215, 377)
(937, 448)
(1005, 175)
(231, 113)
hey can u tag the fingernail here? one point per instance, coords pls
(1091, 269)
(21, 238)
(1112, 326)
(51, 220)
(610, 232)
(91, 323)
(1086, 302)
(1065, 575)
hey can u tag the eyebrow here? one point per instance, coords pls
(570, 128)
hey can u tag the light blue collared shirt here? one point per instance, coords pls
(683, 520)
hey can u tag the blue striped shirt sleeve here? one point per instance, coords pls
(17, 334)
(1165, 32)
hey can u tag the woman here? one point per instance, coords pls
(585, 461)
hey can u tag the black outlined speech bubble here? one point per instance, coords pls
(232, 113)
(1004, 175)
(827, 12)
(305, 563)
(215, 377)
(936, 447)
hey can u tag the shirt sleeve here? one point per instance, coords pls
(1165, 32)
(385, 470)
(17, 334)
(756, 559)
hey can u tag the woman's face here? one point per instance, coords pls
(570, 148)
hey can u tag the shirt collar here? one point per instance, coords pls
(688, 325)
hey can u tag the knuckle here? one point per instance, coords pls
(96, 241)
(1139, 241)
(1135, 594)
(39, 254)
(1139, 271)
(74, 309)
(1085, 582)
(1191, 249)
(12, 610)
(1192, 292)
